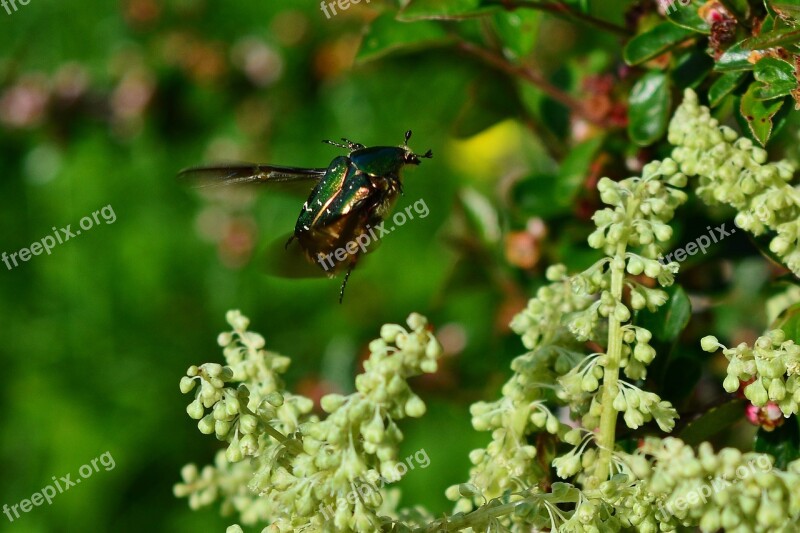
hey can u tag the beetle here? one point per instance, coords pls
(351, 196)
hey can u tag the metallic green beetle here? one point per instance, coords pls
(352, 196)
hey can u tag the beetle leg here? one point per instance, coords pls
(344, 282)
(285, 246)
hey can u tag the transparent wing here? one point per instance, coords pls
(222, 174)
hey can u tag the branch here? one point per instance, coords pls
(561, 10)
(535, 78)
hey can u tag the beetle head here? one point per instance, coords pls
(410, 158)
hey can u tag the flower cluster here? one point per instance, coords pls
(305, 472)
(509, 462)
(771, 369)
(631, 232)
(725, 490)
(734, 171)
(589, 307)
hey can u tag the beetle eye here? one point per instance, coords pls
(411, 159)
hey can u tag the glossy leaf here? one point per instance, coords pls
(723, 86)
(777, 78)
(443, 9)
(759, 114)
(787, 9)
(654, 42)
(537, 195)
(783, 443)
(779, 37)
(771, 70)
(712, 422)
(667, 323)
(518, 31)
(692, 69)
(386, 35)
(789, 322)
(686, 16)
(648, 108)
(574, 169)
(735, 58)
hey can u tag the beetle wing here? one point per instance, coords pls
(242, 173)
(291, 261)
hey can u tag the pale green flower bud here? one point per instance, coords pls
(415, 407)
(567, 466)
(206, 425)
(237, 320)
(635, 265)
(416, 321)
(709, 343)
(389, 332)
(224, 339)
(331, 402)
(633, 418)
(756, 393)
(731, 383)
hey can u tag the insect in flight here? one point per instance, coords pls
(354, 194)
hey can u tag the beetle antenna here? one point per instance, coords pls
(427, 155)
(337, 144)
(353, 145)
(408, 136)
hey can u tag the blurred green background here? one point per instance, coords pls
(101, 103)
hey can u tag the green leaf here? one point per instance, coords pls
(686, 16)
(789, 322)
(712, 422)
(789, 10)
(723, 86)
(574, 169)
(771, 70)
(692, 68)
(518, 31)
(772, 39)
(648, 108)
(777, 76)
(734, 59)
(776, 90)
(759, 114)
(386, 35)
(783, 443)
(443, 9)
(536, 196)
(654, 42)
(667, 323)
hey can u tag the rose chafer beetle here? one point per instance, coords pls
(354, 194)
